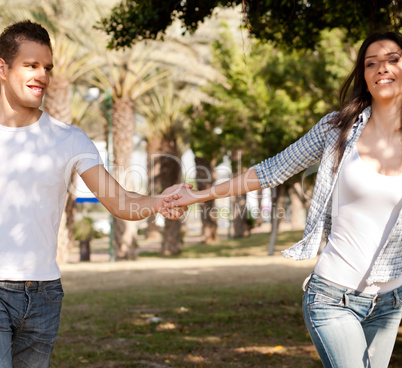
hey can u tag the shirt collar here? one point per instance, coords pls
(363, 117)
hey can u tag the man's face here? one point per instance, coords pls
(25, 82)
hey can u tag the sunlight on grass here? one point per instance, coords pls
(254, 245)
(212, 325)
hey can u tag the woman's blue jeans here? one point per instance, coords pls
(29, 322)
(351, 329)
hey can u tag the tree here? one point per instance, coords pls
(128, 75)
(270, 98)
(165, 131)
(84, 233)
(292, 23)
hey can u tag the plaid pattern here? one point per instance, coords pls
(318, 145)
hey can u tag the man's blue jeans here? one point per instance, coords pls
(29, 322)
(351, 329)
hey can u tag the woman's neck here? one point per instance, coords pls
(386, 119)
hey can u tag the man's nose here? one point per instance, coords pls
(42, 75)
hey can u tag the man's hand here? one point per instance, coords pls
(175, 192)
(183, 198)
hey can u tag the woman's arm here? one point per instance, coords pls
(240, 184)
(272, 172)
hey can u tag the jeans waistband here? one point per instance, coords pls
(26, 285)
(337, 290)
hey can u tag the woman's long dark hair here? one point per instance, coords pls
(354, 95)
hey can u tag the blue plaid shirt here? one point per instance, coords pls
(318, 145)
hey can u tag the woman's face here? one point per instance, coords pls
(383, 71)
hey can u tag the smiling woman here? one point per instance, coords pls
(353, 301)
(383, 72)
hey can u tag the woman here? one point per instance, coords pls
(353, 300)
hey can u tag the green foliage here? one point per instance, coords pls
(298, 23)
(271, 97)
(292, 23)
(132, 21)
(84, 230)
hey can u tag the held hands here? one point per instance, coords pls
(171, 195)
(184, 197)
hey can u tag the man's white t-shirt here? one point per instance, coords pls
(36, 163)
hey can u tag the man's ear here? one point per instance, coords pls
(3, 67)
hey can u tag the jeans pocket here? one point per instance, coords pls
(321, 299)
(54, 293)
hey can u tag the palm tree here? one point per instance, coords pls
(128, 75)
(166, 134)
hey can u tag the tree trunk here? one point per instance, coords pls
(241, 227)
(277, 213)
(170, 173)
(239, 214)
(259, 220)
(85, 250)
(205, 177)
(154, 150)
(125, 232)
(57, 104)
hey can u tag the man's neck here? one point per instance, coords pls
(17, 117)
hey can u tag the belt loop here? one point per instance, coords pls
(397, 301)
(346, 298)
(306, 282)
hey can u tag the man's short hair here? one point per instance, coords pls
(12, 37)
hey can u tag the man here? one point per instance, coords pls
(38, 153)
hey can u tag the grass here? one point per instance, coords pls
(207, 326)
(181, 325)
(254, 245)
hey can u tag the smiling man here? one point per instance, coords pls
(38, 155)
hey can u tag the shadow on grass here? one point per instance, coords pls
(256, 244)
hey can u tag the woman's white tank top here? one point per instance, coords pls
(365, 207)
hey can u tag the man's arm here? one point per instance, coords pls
(246, 182)
(129, 205)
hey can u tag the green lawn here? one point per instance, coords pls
(254, 245)
(182, 325)
(206, 326)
